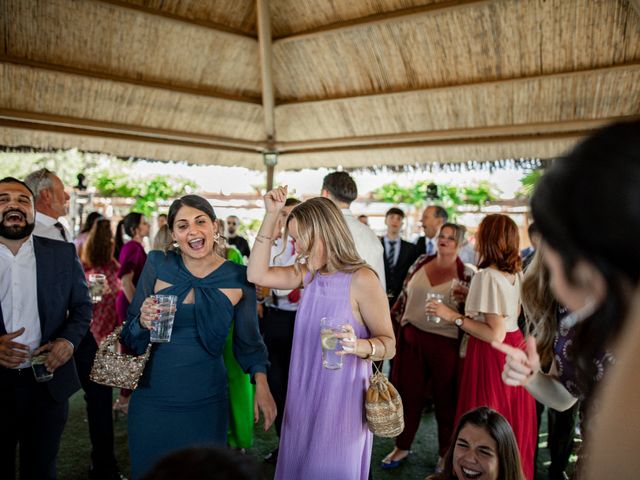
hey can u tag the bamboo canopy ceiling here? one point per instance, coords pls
(357, 83)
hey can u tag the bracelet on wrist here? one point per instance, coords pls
(373, 349)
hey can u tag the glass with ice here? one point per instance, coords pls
(162, 326)
(329, 327)
(97, 284)
(434, 297)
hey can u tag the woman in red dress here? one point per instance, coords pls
(491, 314)
(97, 257)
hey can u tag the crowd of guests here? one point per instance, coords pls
(480, 334)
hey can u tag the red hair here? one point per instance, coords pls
(498, 243)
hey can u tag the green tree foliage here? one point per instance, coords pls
(110, 176)
(449, 196)
(529, 182)
(146, 191)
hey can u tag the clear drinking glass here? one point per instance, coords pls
(330, 343)
(458, 291)
(434, 297)
(39, 370)
(162, 326)
(97, 285)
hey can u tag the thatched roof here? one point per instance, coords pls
(354, 83)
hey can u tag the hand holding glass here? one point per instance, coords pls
(330, 343)
(162, 325)
(97, 286)
(39, 368)
(459, 291)
(437, 298)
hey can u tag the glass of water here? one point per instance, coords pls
(330, 343)
(39, 369)
(97, 284)
(162, 326)
(434, 297)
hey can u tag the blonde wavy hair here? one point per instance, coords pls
(320, 221)
(540, 306)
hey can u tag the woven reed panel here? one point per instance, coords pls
(490, 41)
(236, 14)
(484, 151)
(41, 139)
(293, 16)
(94, 99)
(104, 38)
(588, 96)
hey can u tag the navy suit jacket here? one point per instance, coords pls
(64, 306)
(395, 278)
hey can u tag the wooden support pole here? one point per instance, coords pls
(268, 94)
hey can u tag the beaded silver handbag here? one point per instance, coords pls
(115, 369)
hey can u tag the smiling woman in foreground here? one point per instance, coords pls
(483, 448)
(182, 397)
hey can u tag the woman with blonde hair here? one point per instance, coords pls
(324, 433)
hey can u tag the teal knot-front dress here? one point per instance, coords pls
(182, 398)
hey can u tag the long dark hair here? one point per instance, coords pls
(99, 246)
(129, 223)
(587, 207)
(91, 219)
(508, 455)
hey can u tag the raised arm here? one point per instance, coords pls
(259, 271)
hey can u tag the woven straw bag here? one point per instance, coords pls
(114, 369)
(383, 407)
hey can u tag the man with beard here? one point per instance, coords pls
(45, 307)
(51, 204)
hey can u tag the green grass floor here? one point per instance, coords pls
(73, 459)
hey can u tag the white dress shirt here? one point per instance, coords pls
(46, 227)
(18, 285)
(367, 244)
(288, 257)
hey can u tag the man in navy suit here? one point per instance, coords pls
(399, 255)
(45, 307)
(51, 203)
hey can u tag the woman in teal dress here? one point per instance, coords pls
(182, 398)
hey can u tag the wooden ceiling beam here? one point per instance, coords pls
(23, 62)
(382, 18)
(503, 133)
(485, 83)
(219, 27)
(81, 126)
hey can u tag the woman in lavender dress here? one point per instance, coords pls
(324, 432)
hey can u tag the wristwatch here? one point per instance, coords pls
(459, 321)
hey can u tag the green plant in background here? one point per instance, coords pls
(449, 196)
(146, 191)
(110, 176)
(529, 182)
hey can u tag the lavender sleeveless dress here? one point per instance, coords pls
(324, 431)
